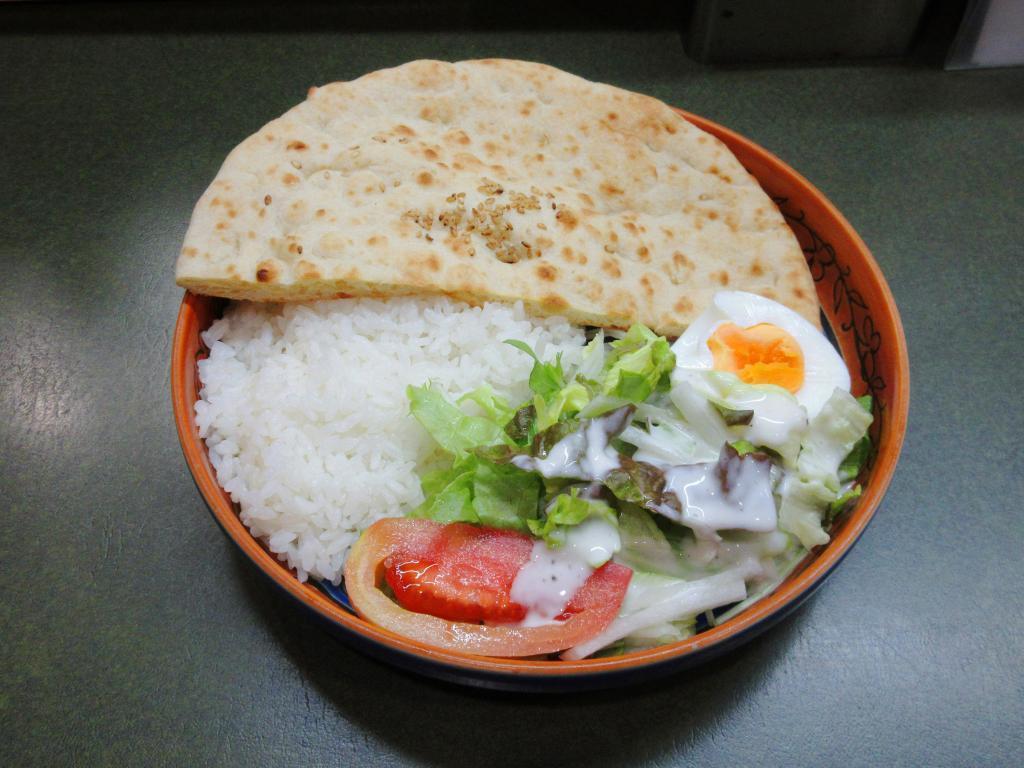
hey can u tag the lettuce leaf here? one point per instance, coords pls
(855, 460)
(844, 501)
(554, 396)
(643, 484)
(567, 401)
(505, 496)
(567, 510)
(743, 447)
(474, 490)
(734, 417)
(637, 364)
(451, 427)
(545, 378)
(449, 496)
(538, 446)
(522, 426)
(601, 405)
(494, 406)
(644, 545)
(592, 359)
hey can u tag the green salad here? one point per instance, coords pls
(710, 488)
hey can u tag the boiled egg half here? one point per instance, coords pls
(763, 342)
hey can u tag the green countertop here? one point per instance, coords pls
(133, 633)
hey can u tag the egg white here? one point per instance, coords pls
(824, 369)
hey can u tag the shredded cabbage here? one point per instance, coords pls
(652, 600)
(704, 421)
(830, 437)
(803, 503)
(660, 634)
(664, 444)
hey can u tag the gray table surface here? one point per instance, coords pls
(132, 633)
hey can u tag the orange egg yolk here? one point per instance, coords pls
(760, 354)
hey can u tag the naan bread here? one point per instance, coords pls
(492, 180)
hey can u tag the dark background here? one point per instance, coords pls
(132, 633)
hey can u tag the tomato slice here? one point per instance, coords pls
(466, 575)
(392, 545)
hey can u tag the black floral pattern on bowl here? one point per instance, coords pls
(847, 306)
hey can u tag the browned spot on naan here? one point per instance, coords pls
(610, 268)
(266, 272)
(553, 302)
(308, 271)
(567, 218)
(683, 305)
(547, 272)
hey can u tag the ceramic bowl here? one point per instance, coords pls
(857, 307)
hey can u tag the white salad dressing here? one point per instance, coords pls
(547, 583)
(595, 540)
(776, 415)
(562, 460)
(708, 507)
(600, 458)
(585, 454)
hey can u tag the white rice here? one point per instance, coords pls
(304, 411)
